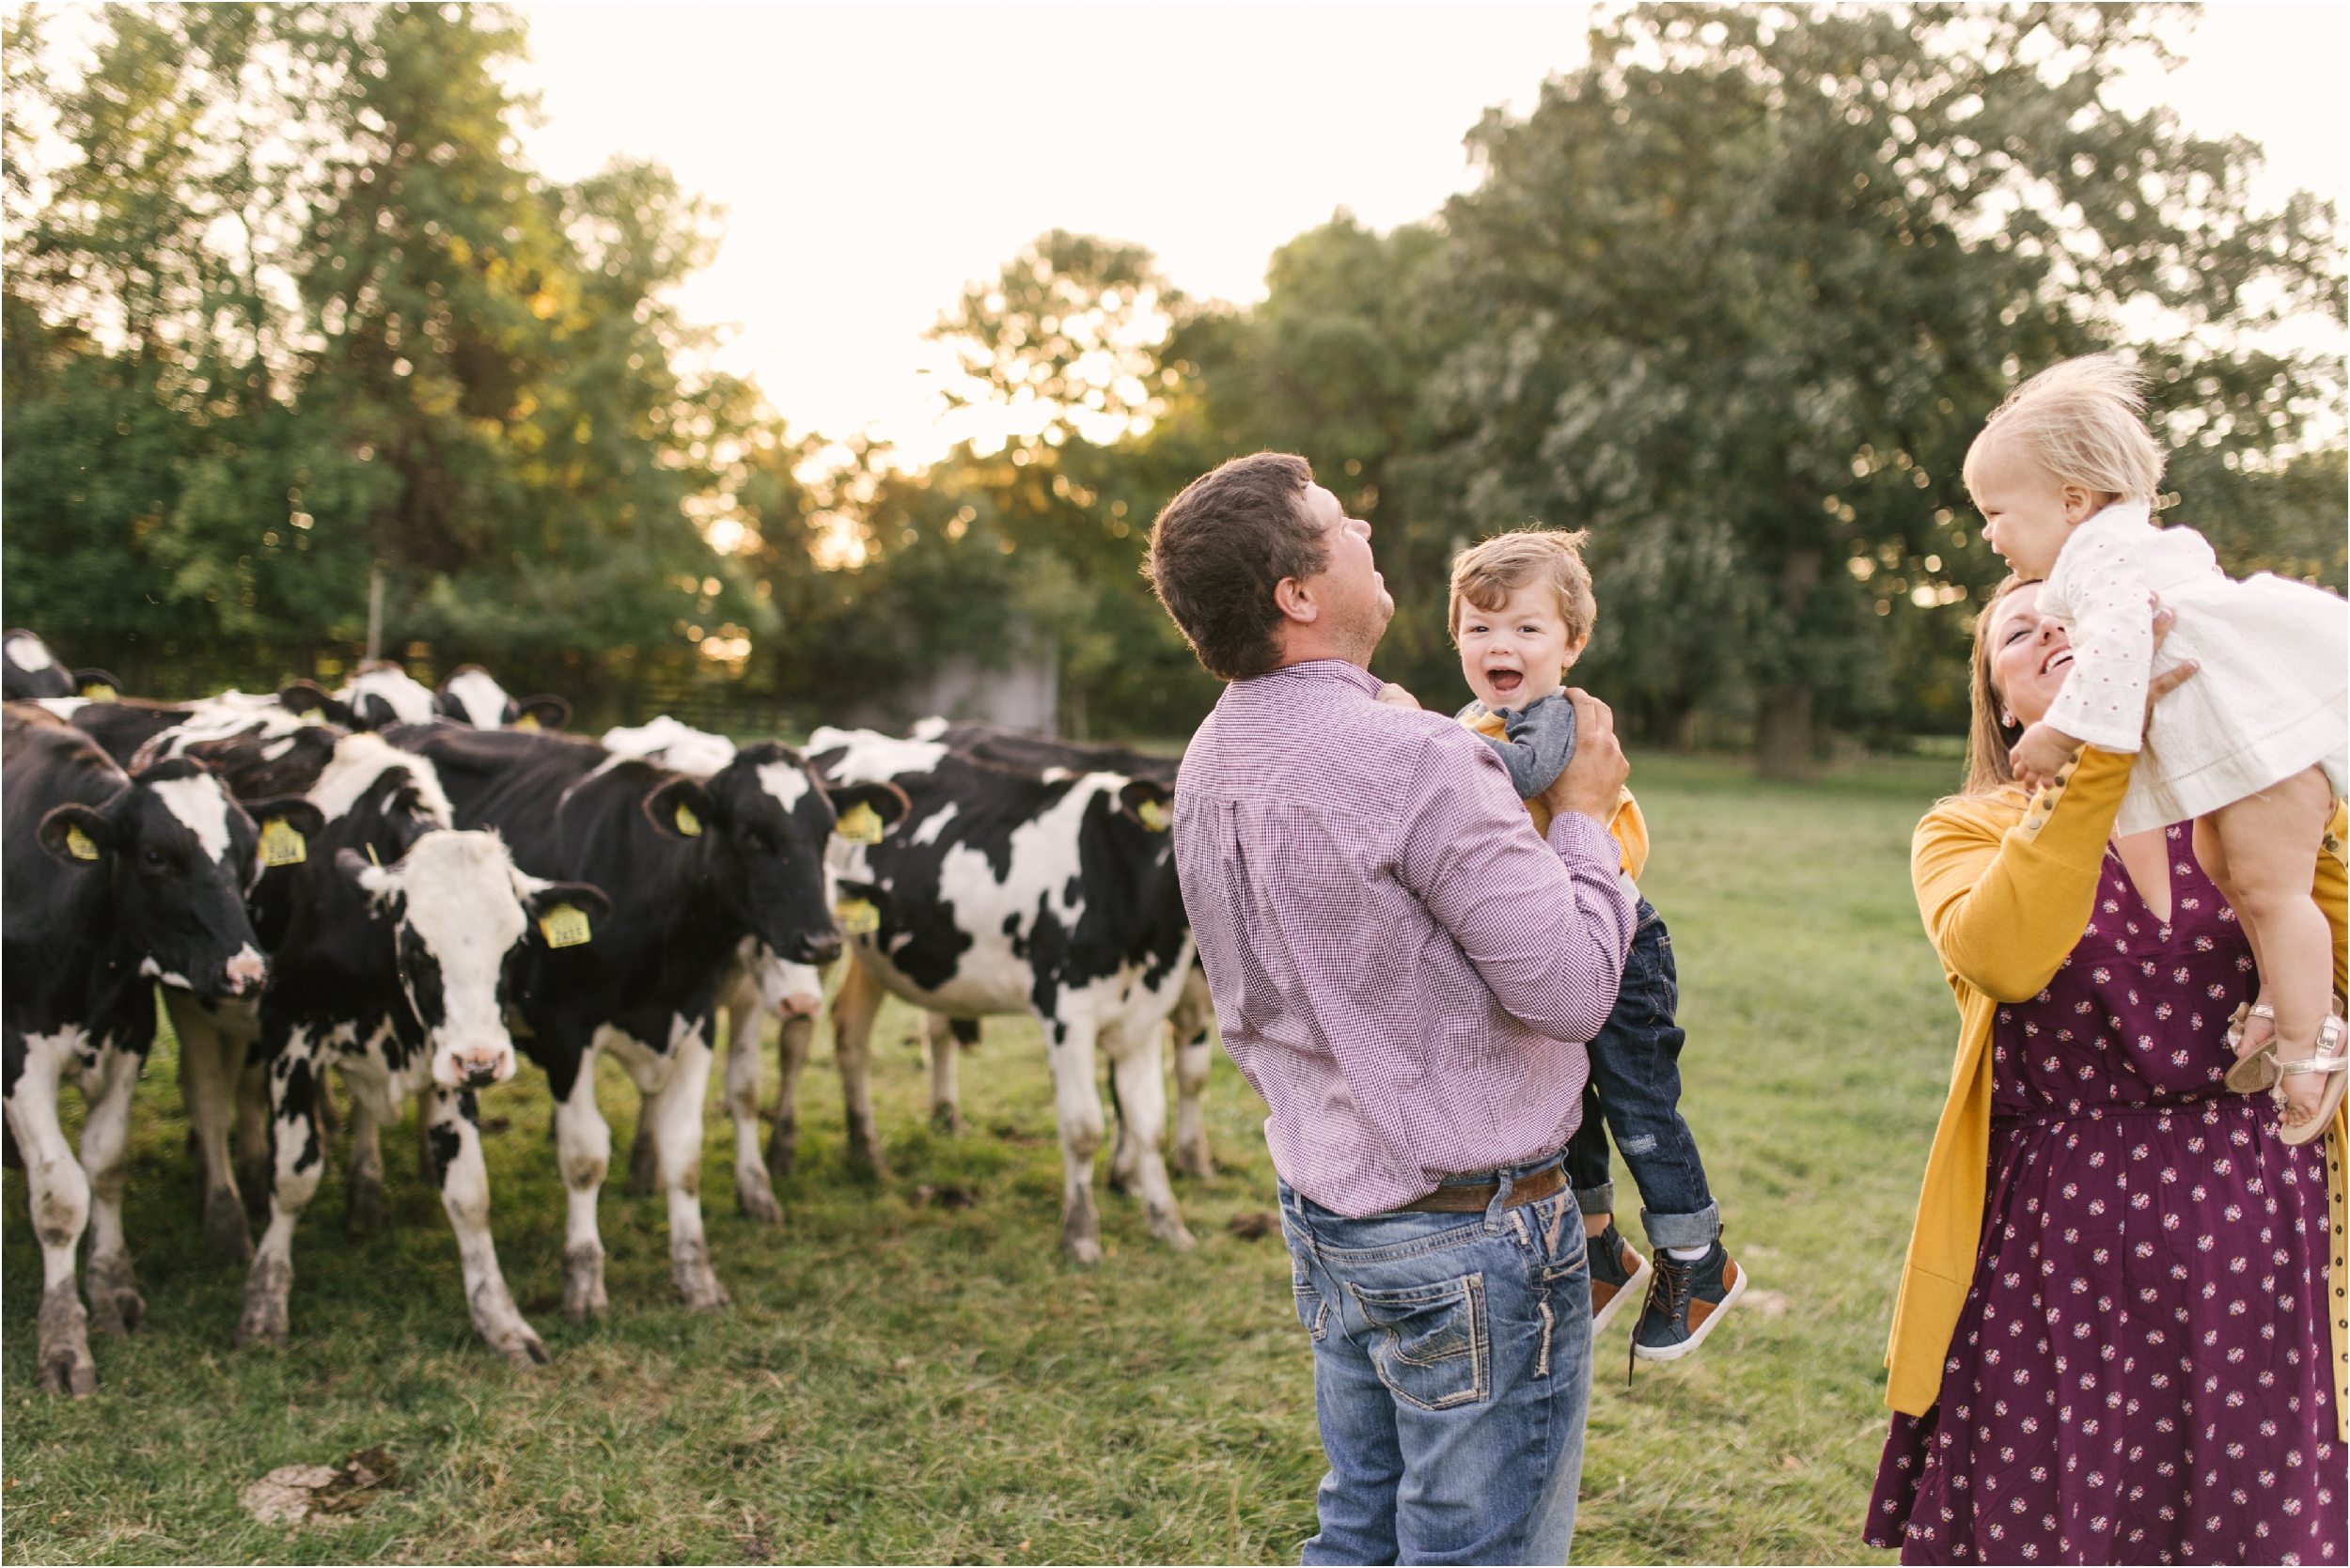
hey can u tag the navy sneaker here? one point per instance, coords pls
(1685, 1302)
(1618, 1274)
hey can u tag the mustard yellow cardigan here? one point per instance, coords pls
(2006, 888)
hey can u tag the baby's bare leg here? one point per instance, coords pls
(2267, 851)
(2212, 856)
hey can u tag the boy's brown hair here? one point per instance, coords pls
(1487, 572)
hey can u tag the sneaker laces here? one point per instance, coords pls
(1671, 1283)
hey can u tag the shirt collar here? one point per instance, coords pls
(1321, 672)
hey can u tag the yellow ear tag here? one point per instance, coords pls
(566, 925)
(100, 694)
(1153, 815)
(310, 715)
(860, 824)
(858, 917)
(687, 822)
(525, 722)
(372, 858)
(282, 843)
(78, 844)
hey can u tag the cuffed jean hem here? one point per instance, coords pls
(1599, 1200)
(1696, 1229)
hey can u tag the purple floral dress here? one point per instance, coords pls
(2141, 1372)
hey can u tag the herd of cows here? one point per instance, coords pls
(409, 886)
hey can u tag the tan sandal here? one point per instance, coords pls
(2252, 1073)
(2325, 1057)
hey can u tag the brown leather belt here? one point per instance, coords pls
(1471, 1201)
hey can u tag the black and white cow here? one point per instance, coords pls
(758, 982)
(112, 881)
(692, 867)
(393, 969)
(29, 671)
(1195, 1009)
(472, 695)
(1006, 890)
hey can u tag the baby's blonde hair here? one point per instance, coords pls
(1487, 572)
(2085, 420)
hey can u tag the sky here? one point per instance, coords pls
(873, 158)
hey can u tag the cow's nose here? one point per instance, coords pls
(246, 971)
(818, 948)
(480, 1072)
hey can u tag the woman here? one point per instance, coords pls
(2118, 1337)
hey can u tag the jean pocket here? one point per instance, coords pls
(1313, 1313)
(1435, 1350)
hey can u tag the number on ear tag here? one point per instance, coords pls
(858, 917)
(1153, 815)
(282, 843)
(860, 824)
(78, 844)
(687, 822)
(566, 925)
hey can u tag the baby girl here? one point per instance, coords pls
(2254, 748)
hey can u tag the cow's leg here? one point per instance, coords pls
(644, 1157)
(366, 1182)
(854, 1007)
(754, 1192)
(582, 1143)
(676, 1113)
(1193, 1055)
(297, 1159)
(1078, 1105)
(1137, 1070)
(210, 1068)
(58, 1189)
(115, 1306)
(945, 1092)
(453, 1124)
(254, 1173)
(792, 1043)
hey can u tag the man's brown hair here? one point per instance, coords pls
(1218, 550)
(1487, 572)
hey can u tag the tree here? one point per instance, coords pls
(1736, 294)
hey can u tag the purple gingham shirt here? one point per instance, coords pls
(1401, 968)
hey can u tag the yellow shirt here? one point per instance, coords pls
(2006, 889)
(1627, 827)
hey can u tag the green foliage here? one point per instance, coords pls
(293, 308)
(898, 1382)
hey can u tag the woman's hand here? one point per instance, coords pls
(2169, 679)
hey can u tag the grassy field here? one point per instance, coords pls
(899, 1382)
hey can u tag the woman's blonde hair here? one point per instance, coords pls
(2085, 421)
(1487, 572)
(1988, 740)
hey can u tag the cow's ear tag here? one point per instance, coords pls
(98, 692)
(78, 844)
(1152, 815)
(860, 824)
(859, 917)
(687, 822)
(525, 722)
(282, 843)
(309, 715)
(566, 924)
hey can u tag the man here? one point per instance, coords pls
(1405, 972)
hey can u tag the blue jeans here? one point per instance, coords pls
(1452, 1373)
(1636, 1086)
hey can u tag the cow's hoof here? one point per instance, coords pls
(65, 1366)
(115, 1306)
(365, 1214)
(225, 1230)
(582, 1281)
(756, 1199)
(1083, 1251)
(1168, 1228)
(1193, 1159)
(947, 1119)
(522, 1347)
(697, 1282)
(263, 1322)
(783, 1146)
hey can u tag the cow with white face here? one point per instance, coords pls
(112, 881)
(30, 672)
(1006, 890)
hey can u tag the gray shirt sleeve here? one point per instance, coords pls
(1539, 744)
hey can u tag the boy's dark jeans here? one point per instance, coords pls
(1636, 1086)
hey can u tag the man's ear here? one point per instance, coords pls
(681, 808)
(76, 834)
(1294, 597)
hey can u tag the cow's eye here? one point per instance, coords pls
(151, 859)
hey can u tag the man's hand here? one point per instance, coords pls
(1594, 775)
(1396, 697)
(2039, 755)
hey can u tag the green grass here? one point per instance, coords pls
(897, 1383)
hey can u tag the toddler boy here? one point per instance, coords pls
(1521, 612)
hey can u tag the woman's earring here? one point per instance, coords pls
(2007, 720)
